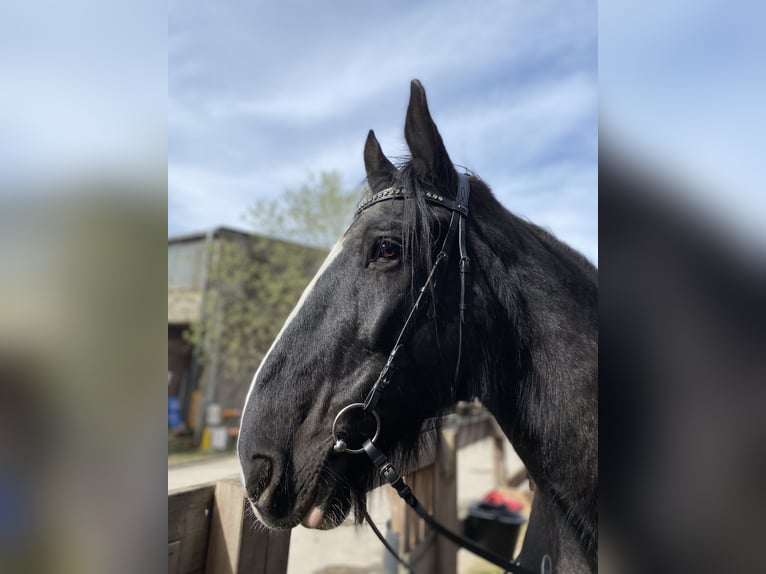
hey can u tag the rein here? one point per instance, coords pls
(457, 229)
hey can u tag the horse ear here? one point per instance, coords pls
(381, 173)
(425, 142)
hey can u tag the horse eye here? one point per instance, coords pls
(387, 249)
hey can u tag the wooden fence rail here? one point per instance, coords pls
(211, 530)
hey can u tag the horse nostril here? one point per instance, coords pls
(259, 474)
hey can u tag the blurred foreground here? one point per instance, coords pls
(682, 393)
(82, 350)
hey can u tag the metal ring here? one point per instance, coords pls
(546, 565)
(345, 410)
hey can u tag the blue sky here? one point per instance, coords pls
(83, 89)
(246, 98)
(262, 93)
(682, 85)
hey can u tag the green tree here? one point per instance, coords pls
(316, 213)
(256, 281)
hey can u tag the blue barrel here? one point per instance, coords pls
(174, 413)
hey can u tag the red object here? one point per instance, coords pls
(497, 497)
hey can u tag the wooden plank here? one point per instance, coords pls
(188, 525)
(517, 478)
(211, 530)
(445, 496)
(263, 551)
(472, 431)
(238, 543)
(225, 529)
(174, 551)
(397, 515)
(419, 541)
(410, 536)
(253, 545)
(278, 552)
(424, 557)
(498, 459)
(195, 404)
(421, 484)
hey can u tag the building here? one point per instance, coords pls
(228, 294)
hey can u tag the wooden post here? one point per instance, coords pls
(188, 525)
(237, 544)
(498, 453)
(445, 499)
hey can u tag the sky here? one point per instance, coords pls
(245, 99)
(83, 89)
(262, 94)
(681, 86)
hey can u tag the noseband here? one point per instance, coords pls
(456, 229)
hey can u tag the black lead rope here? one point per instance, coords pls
(394, 478)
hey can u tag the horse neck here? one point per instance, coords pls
(550, 534)
(535, 335)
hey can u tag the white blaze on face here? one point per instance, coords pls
(334, 252)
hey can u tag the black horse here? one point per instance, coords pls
(529, 353)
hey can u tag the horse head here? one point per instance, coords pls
(337, 340)
(529, 343)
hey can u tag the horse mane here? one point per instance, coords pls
(531, 272)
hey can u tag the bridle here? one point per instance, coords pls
(456, 230)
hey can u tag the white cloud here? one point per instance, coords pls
(259, 95)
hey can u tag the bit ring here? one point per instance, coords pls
(343, 411)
